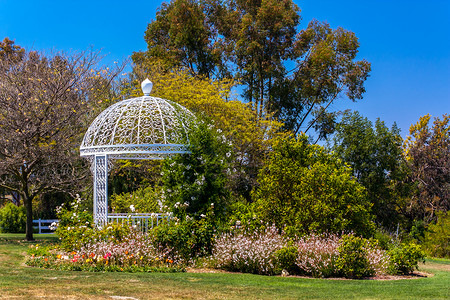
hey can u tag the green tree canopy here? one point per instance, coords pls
(376, 156)
(181, 37)
(252, 42)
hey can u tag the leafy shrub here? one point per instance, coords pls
(185, 240)
(405, 258)
(353, 261)
(285, 259)
(418, 230)
(242, 216)
(437, 238)
(143, 200)
(192, 182)
(384, 238)
(304, 189)
(75, 226)
(13, 218)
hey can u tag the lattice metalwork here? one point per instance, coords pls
(101, 190)
(138, 128)
(144, 122)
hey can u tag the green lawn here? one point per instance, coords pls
(18, 281)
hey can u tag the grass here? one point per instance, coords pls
(19, 281)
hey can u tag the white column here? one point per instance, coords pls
(100, 190)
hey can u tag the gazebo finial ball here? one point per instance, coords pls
(146, 86)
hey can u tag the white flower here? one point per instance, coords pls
(228, 154)
(203, 216)
(132, 208)
(53, 226)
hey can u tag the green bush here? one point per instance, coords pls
(353, 259)
(75, 226)
(285, 259)
(143, 200)
(418, 230)
(405, 258)
(242, 216)
(385, 239)
(186, 240)
(193, 182)
(305, 189)
(437, 238)
(13, 218)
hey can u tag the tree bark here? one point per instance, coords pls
(28, 202)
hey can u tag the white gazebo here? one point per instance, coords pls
(138, 128)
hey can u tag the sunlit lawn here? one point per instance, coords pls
(21, 282)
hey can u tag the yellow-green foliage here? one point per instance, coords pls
(12, 218)
(437, 237)
(405, 258)
(213, 98)
(304, 189)
(143, 200)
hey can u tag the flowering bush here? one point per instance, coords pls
(132, 252)
(75, 225)
(269, 253)
(249, 253)
(317, 255)
(192, 182)
(38, 250)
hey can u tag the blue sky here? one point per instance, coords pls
(407, 42)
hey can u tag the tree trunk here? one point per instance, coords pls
(28, 202)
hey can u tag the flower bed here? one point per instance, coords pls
(134, 253)
(271, 253)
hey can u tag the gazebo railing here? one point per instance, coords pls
(143, 221)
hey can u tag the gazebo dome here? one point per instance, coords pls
(139, 128)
